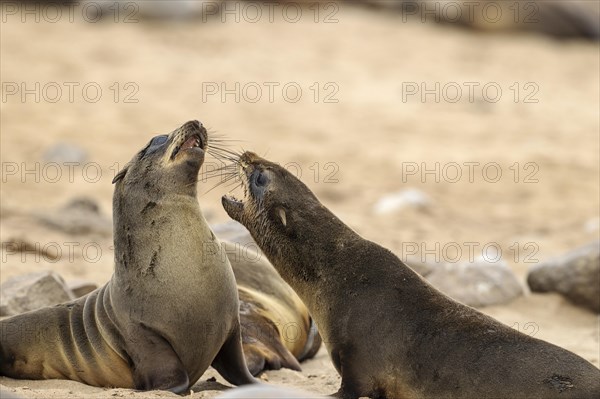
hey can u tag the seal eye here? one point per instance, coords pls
(158, 140)
(262, 179)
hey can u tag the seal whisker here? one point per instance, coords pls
(223, 181)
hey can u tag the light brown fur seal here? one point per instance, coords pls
(169, 310)
(277, 330)
(389, 333)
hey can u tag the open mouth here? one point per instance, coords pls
(192, 142)
(231, 203)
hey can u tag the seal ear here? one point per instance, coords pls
(119, 176)
(282, 216)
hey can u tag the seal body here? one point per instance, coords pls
(277, 330)
(169, 310)
(389, 333)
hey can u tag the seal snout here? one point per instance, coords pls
(192, 137)
(247, 158)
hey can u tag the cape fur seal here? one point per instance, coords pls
(277, 330)
(169, 310)
(389, 333)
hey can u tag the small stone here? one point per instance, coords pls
(592, 225)
(80, 216)
(264, 391)
(212, 379)
(80, 288)
(66, 152)
(480, 283)
(409, 198)
(22, 245)
(32, 291)
(576, 275)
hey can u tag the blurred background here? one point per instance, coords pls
(449, 132)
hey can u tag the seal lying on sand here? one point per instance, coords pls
(277, 330)
(389, 333)
(163, 318)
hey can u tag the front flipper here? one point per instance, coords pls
(259, 357)
(156, 366)
(230, 362)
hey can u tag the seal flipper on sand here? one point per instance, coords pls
(230, 362)
(160, 368)
(274, 356)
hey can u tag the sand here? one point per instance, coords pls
(364, 145)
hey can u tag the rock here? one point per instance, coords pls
(402, 199)
(263, 391)
(156, 9)
(65, 152)
(20, 245)
(576, 275)
(32, 291)
(480, 283)
(80, 288)
(80, 216)
(592, 225)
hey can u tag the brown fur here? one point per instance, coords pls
(277, 330)
(389, 333)
(163, 318)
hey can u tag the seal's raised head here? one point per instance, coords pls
(278, 210)
(168, 162)
(270, 196)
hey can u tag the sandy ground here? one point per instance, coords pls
(362, 146)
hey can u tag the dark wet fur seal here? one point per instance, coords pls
(389, 333)
(163, 318)
(277, 330)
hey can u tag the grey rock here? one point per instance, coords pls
(80, 216)
(32, 291)
(66, 152)
(80, 288)
(480, 283)
(155, 9)
(576, 275)
(407, 198)
(15, 245)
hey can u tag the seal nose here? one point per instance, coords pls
(194, 125)
(248, 157)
